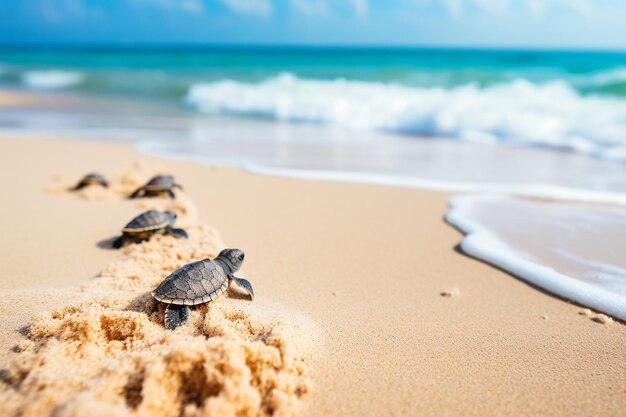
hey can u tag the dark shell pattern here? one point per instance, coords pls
(160, 182)
(94, 178)
(150, 220)
(195, 283)
(91, 179)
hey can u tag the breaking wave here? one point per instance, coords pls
(552, 114)
(52, 79)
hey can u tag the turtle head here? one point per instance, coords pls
(233, 257)
(171, 215)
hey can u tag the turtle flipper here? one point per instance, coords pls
(137, 193)
(245, 284)
(176, 315)
(180, 187)
(170, 193)
(119, 242)
(176, 232)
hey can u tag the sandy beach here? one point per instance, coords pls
(364, 306)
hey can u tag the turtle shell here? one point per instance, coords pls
(150, 220)
(160, 182)
(91, 179)
(195, 283)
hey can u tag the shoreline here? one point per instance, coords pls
(531, 191)
(370, 279)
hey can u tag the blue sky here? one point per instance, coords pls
(584, 24)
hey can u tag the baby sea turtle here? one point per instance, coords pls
(147, 224)
(91, 179)
(156, 186)
(197, 283)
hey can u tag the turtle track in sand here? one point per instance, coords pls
(110, 355)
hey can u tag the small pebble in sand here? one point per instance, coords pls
(544, 317)
(598, 318)
(602, 319)
(334, 293)
(451, 293)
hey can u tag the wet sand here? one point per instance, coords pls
(390, 318)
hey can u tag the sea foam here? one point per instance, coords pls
(604, 78)
(52, 79)
(572, 250)
(553, 114)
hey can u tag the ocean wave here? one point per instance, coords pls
(52, 79)
(553, 114)
(608, 77)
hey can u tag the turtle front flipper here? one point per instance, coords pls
(176, 315)
(170, 193)
(137, 193)
(245, 284)
(176, 232)
(176, 185)
(119, 242)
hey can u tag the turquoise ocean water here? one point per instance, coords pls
(572, 100)
(169, 74)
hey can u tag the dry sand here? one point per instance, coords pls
(350, 317)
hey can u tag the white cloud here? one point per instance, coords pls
(540, 7)
(258, 7)
(458, 7)
(536, 7)
(455, 7)
(322, 8)
(361, 7)
(581, 6)
(493, 6)
(56, 11)
(192, 6)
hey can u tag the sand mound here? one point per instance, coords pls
(112, 356)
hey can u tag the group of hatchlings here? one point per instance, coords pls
(192, 284)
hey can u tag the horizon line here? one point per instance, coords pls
(278, 47)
